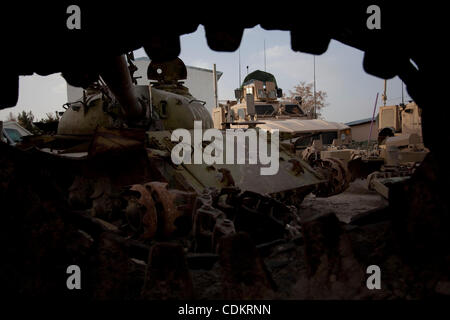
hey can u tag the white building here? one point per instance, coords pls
(199, 82)
(361, 129)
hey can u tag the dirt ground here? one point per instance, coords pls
(355, 200)
(327, 260)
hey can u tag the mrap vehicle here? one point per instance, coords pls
(258, 105)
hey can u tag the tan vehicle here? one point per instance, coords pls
(400, 148)
(258, 105)
(399, 151)
(400, 134)
(399, 119)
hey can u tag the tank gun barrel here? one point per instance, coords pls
(116, 75)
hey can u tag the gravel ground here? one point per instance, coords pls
(353, 201)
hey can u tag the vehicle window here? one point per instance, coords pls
(261, 93)
(264, 109)
(272, 94)
(327, 137)
(241, 114)
(306, 140)
(293, 109)
(387, 118)
(13, 134)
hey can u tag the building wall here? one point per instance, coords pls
(360, 132)
(199, 82)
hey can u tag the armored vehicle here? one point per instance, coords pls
(167, 105)
(399, 119)
(400, 134)
(115, 149)
(258, 100)
(397, 154)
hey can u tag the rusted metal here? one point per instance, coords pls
(167, 275)
(173, 204)
(222, 228)
(205, 220)
(148, 217)
(239, 260)
(296, 167)
(242, 176)
(112, 142)
(336, 174)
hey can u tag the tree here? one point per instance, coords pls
(25, 119)
(49, 124)
(306, 92)
(50, 117)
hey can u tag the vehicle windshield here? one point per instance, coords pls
(264, 109)
(307, 139)
(293, 109)
(13, 134)
(328, 137)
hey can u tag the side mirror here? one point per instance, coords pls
(238, 94)
(250, 101)
(279, 93)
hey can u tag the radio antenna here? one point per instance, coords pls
(239, 68)
(315, 108)
(403, 101)
(264, 55)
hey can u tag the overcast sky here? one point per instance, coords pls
(351, 92)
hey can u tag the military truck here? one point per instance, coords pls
(258, 104)
(399, 119)
(397, 154)
(400, 134)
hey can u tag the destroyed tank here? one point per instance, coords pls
(167, 105)
(119, 138)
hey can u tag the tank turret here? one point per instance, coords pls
(165, 103)
(171, 100)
